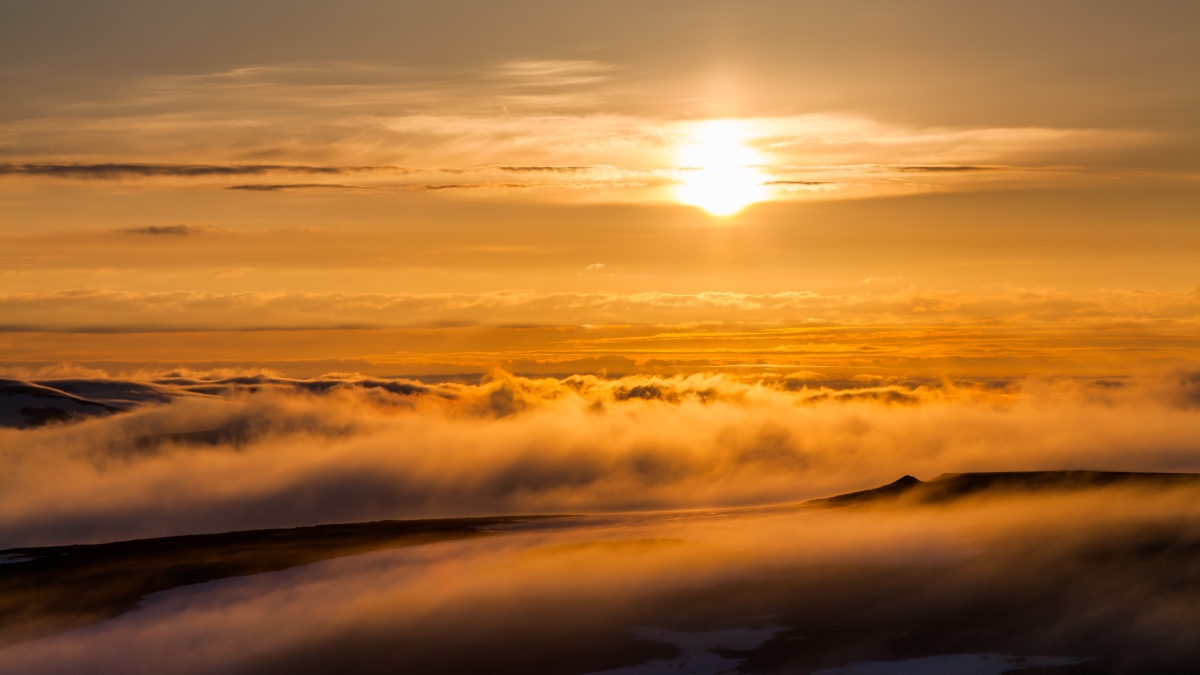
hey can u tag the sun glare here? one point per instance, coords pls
(720, 170)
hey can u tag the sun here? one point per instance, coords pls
(720, 171)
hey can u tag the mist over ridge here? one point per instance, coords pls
(219, 451)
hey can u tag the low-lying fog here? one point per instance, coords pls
(659, 570)
(216, 452)
(1099, 577)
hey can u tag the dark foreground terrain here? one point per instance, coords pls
(1036, 572)
(48, 589)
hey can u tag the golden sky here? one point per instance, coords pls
(421, 188)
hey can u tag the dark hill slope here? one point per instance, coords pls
(48, 589)
(24, 405)
(951, 486)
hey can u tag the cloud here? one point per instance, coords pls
(146, 170)
(174, 230)
(900, 329)
(210, 452)
(383, 178)
(180, 230)
(554, 72)
(604, 175)
(522, 117)
(434, 187)
(280, 187)
(549, 169)
(127, 310)
(126, 170)
(946, 169)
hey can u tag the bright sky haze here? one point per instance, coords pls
(420, 187)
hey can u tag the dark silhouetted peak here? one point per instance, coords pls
(951, 486)
(891, 490)
(25, 405)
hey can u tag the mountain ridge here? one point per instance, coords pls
(948, 487)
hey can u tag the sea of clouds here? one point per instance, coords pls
(219, 451)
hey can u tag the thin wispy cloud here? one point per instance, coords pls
(1028, 330)
(945, 169)
(554, 72)
(904, 305)
(281, 187)
(357, 112)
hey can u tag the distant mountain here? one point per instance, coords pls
(25, 405)
(951, 486)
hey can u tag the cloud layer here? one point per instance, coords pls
(78, 309)
(259, 451)
(548, 126)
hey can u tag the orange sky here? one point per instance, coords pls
(442, 187)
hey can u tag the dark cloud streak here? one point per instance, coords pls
(954, 168)
(139, 170)
(281, 187)
(170, 230)
(116, 170)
